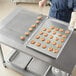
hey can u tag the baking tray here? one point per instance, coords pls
(47, 24)
(18, 23)
(38, 67)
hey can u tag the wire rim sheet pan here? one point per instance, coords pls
(45, 39)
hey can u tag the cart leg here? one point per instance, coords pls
(4, 64)
(2, 56)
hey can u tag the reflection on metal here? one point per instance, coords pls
(58, 72)
(74, 71)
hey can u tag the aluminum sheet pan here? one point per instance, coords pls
(47, 24)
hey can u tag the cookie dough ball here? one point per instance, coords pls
(30, 29)
(56, 38)
(52, 27)
(50, 49)
(48, 30)
(59, 34)
(33, 26)
(27, 33)
(40, 32)
(51, 37)
(22, 38)
(55, 50)
(37, 37)
(39, 17)
(42, 39)
(44, 46)
(32, 42)
(38, 44)
(56, 29)
(67, 32)
(62, 40)
(44, 29)
(37, 22)
(54, 32)
(45, 34)
(48, 41)
(54, 43)
(61, 30)
(64, 36)
(58, 45)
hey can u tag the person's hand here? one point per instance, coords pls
(42, 3)
(73, 20)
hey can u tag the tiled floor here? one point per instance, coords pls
(5, 9)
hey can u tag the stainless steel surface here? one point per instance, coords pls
(38, 67)
(65, 61)
(19, 24)
(47, 24)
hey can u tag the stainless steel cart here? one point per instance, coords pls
(27, 61)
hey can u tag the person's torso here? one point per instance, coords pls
(60, 4)
(61, 9)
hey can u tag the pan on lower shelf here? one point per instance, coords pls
(38, 67)
(20, 60)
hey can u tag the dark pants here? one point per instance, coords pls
(64, 15)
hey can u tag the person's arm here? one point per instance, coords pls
(42, 3)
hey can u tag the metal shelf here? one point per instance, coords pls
(28, 66)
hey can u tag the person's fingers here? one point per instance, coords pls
(41, 4)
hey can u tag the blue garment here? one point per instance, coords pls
(74, 5)
(62, 9)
